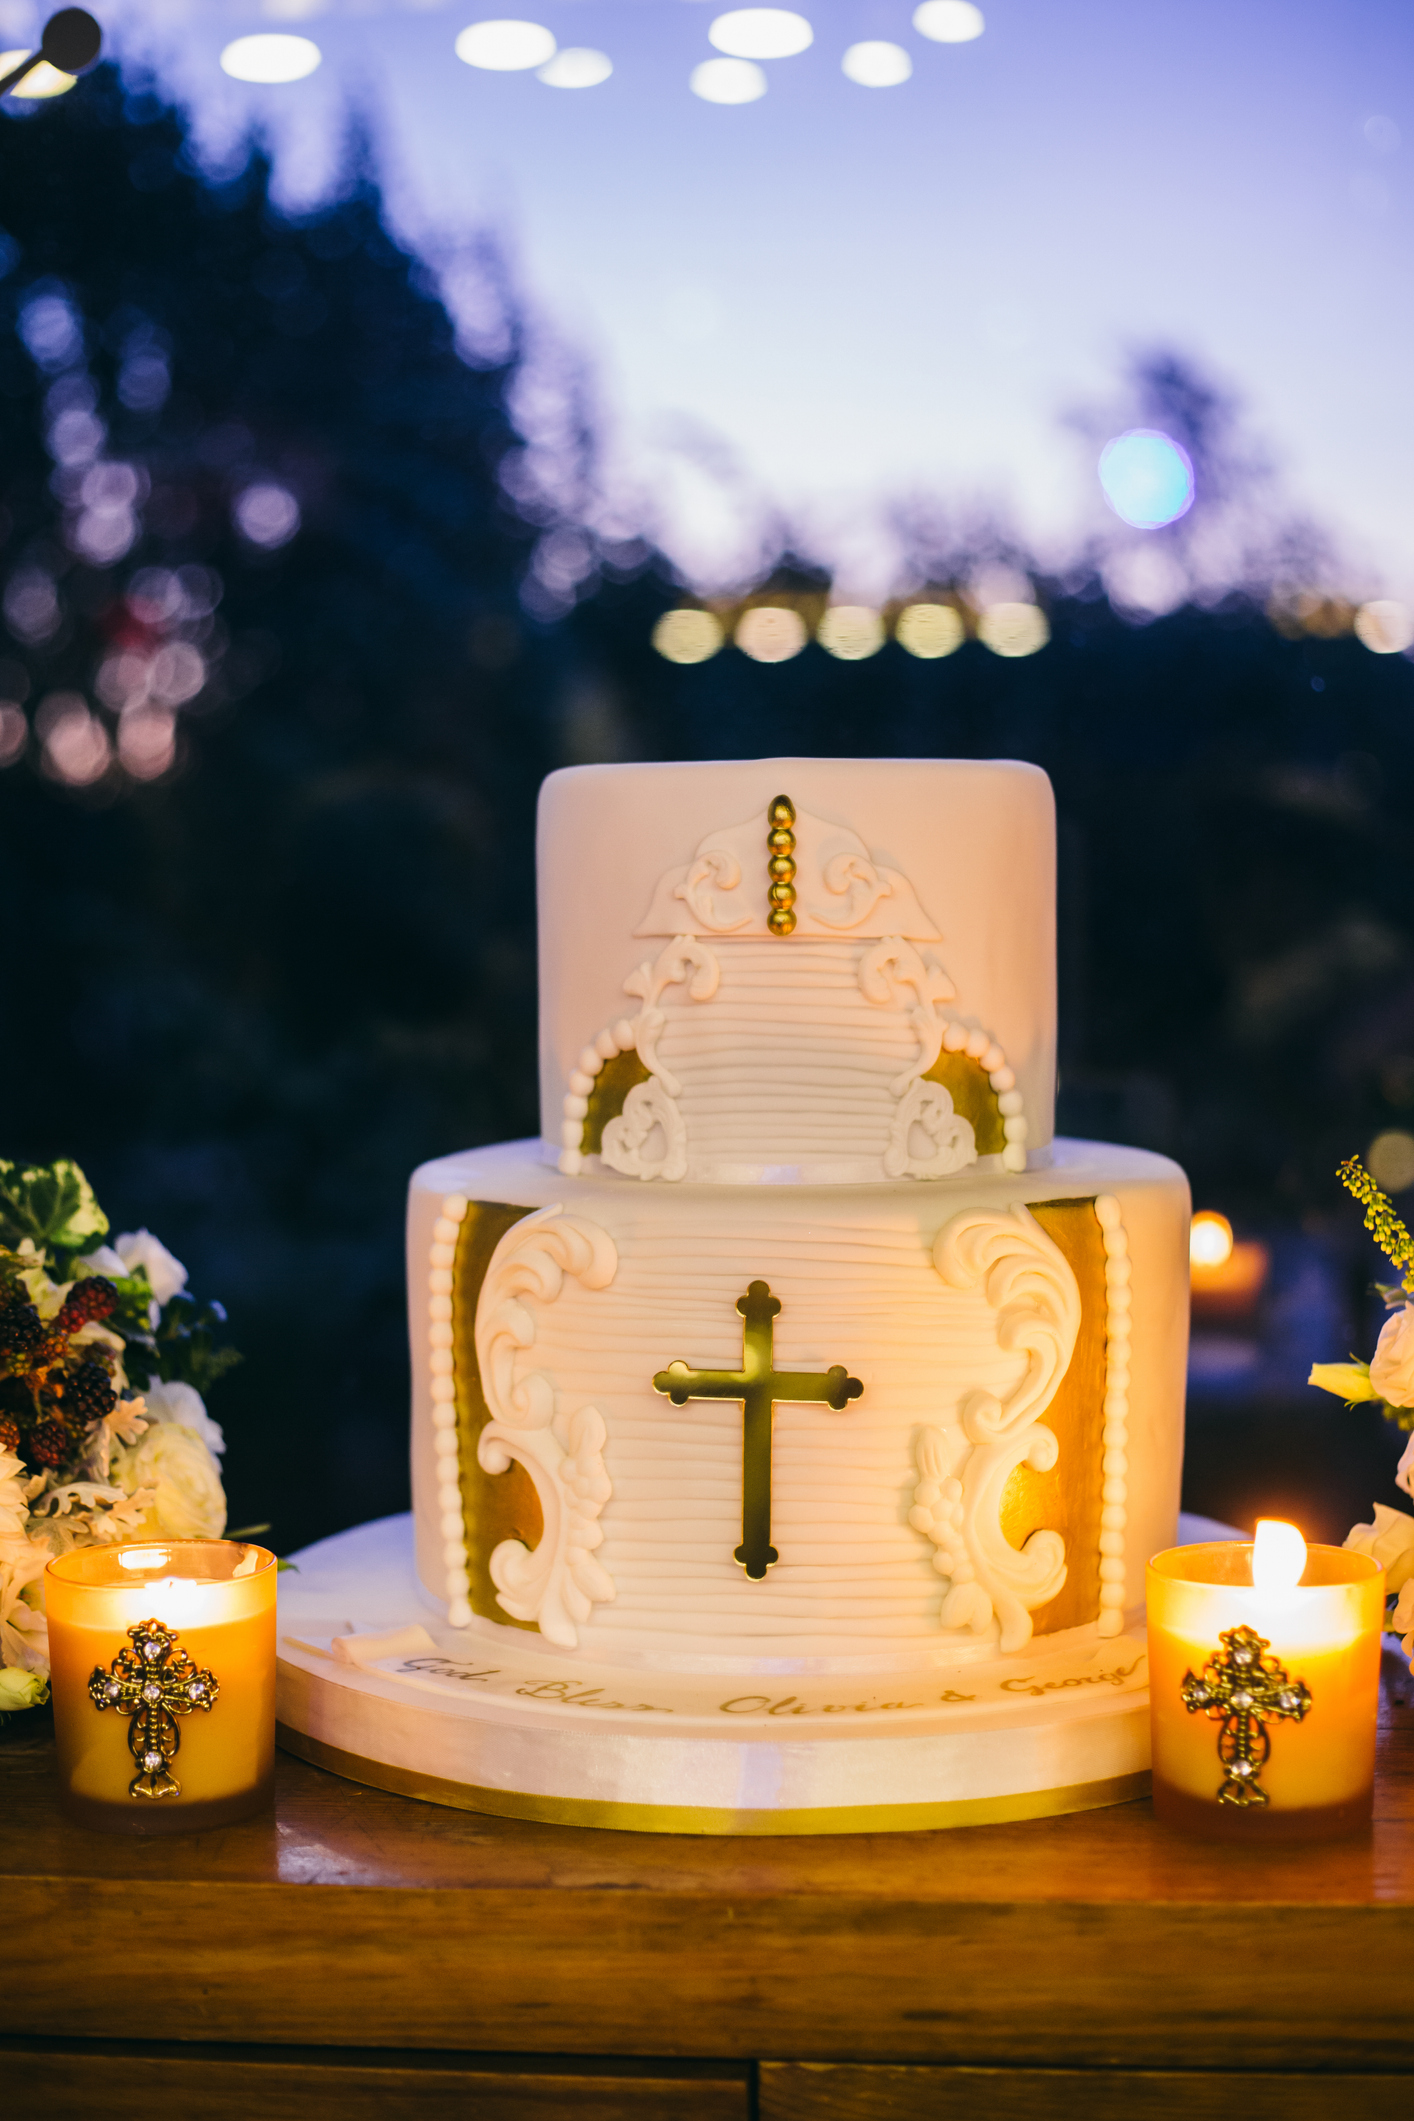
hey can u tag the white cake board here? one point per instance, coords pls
(492, 1720)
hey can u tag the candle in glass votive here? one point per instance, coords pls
(162, 1666)
(1264, 1664)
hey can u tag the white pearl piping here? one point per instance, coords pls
(450, 1509)
(1115, 1491)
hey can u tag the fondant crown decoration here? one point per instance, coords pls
(839, 887)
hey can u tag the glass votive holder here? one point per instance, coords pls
(162, 1668)
(1263, 1701)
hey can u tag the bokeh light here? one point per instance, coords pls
(267, 514)
(270, 58)
(1013, 629)
(949, 21)
(42, 80)
(761, 33)
(77, 750)
(688, 636)
(727, 81)
(851, 632)
(930, 630)
(1147, 478)
(770, 633)
(147, 742)
(1209, 1239)
(875, 64)
(14, 733)
(1384, 626)
(505, 47)
(1390, 1160)
(577, 66)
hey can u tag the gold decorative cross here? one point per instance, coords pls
(154, 1682)
(1241, 1690)
(758, 1386)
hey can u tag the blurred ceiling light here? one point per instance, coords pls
(270, 58)
(42, 80)
(1384, 626)
(929, 630)
(688, 636)
(1147, 478)
(761, 33)
(1390, 1160)
(292, 10)
(875, 64)
(949, 21)
(576, 67)
(267, 514)
(505, 47)
(851, 632)
(770, 633)
(1209, 1239)
(1013, 629)
(727, 81)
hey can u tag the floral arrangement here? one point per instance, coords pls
(105, 1359)
(1388, 1379)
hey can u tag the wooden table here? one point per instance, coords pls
(361, 1955)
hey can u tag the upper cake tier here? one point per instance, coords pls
(820, 971)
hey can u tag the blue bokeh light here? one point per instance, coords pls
(1147, 477)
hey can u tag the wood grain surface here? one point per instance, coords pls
(350, 1917)
(827, 2091)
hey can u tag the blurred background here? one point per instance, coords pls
(390, 414)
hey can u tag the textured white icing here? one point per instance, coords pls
(790, 1067)
(840, 888)
(963, 1336)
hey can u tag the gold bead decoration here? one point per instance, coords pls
(780, 848)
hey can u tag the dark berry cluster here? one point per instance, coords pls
(51, 1392)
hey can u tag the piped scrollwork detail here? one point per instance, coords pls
(558, 1583)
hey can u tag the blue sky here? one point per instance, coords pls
(836, 296)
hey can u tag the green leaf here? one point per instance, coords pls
(53, 1204)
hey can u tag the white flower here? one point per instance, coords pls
(189, 1501)
(184, 1405)
(1390, 1541)
(24, 1637)
(1392, 1364)
(165, 1275)
(104, 1260)
(21, 1690)
(14, 1506)
(1404, 1471)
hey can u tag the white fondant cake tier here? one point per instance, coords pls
(897, 1022)
(985, 1476)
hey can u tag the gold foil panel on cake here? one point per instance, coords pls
(973, 1099)
(1068, 1499)
(498, 1506)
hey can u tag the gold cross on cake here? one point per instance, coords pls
(758, 1387)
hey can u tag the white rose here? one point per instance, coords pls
(139, 1248)
(104, 1260)
(1404, 1471)
(1390, 1541)
(189, 1502)
(184, 1405)
(1392, 1364)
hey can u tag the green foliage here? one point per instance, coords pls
(51, 1204)
(1390, 1234)
(182, 1350)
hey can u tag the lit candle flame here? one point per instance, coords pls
(1278, 1555)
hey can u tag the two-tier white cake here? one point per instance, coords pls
(799, 1359)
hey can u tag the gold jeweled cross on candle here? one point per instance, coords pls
(154, 1682)
(758, 1386)
(1241, 1690)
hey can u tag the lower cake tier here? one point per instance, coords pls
(787, 1429)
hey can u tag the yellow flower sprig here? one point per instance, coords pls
(1390, 1234)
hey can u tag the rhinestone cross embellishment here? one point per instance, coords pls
(1242, 1690)
(154, 1682)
